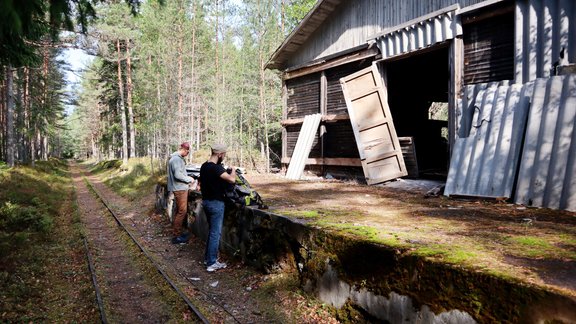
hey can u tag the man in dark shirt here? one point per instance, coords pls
(214, 180)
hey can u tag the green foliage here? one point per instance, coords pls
(29, 200)
(43, 274)
(199, 77)
(131, 181)
(15, 218)
(296, 11)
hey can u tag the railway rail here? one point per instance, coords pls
(154, 263)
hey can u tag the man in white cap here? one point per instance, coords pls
(178, 183)
(214, 180)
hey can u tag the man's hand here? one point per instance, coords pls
(229, 175)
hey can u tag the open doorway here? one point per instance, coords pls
(418, 88)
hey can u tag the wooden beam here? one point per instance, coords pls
(329, 161)
(345, 59)
(284, 116)
(323, 110)
(331, 118)
(456, 62)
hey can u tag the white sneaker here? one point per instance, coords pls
(216, 266)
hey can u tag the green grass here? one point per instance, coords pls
(536, 247)
(302, 213)
(43, 273)
(132, 180)
(448, 254)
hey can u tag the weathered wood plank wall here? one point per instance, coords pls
(353, 22)
(303, 96)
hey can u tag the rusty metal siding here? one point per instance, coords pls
(339, 141)
(547, 176)
(543, 28)
(352, 23)
(489, 49)
(303, 96)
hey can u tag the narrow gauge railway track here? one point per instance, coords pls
(155, 264)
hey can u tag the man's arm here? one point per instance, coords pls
(180, 173)
(229, 177)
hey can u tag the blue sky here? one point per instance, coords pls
(78, 60)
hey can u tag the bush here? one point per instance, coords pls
(17, 222)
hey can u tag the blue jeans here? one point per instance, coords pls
(214, 210)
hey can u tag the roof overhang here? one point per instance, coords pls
(314, 19)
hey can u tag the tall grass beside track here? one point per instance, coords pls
(43, 271)
(133, 180)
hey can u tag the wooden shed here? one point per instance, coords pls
(388, 76)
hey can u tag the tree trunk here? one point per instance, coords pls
(3, 92)
(129, 100)
(19, 121)
(180, 119)
(262, 102)
(193, 77)
(28, 118)
(122, 108)
(9, 116)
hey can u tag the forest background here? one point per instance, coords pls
(163, 72)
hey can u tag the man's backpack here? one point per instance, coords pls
(241, 193)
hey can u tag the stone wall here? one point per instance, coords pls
(364, 281)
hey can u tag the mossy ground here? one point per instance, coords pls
(44, 274)
(492, 237)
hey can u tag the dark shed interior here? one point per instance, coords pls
(416, 84)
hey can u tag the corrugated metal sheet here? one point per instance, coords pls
(485, 162)
(547, 175)
(465, 107)
(303, 146)
(543, 28)
(427, 31)
(292, 133)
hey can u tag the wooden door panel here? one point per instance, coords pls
(378, 145)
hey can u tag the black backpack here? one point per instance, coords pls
(241, 193)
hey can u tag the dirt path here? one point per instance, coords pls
(230, 295)
(127, 296)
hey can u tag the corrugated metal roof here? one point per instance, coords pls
(547, 175)
(421, 32)
(303, 146)
(485, 162)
